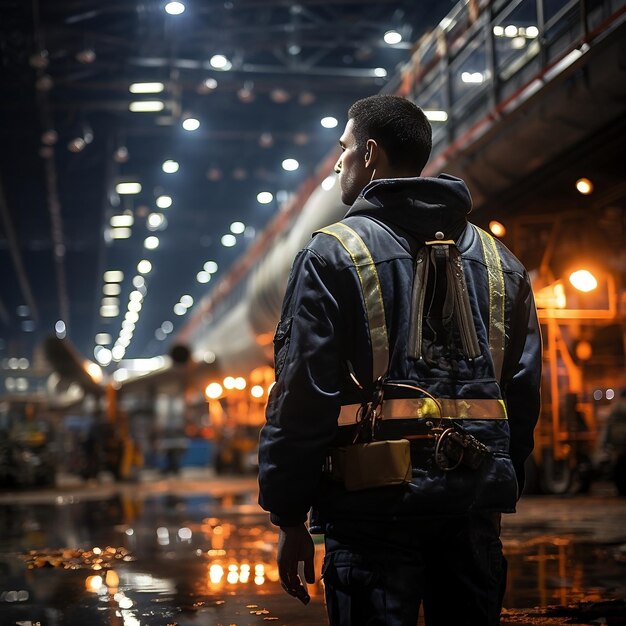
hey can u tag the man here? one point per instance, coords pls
(408, 320)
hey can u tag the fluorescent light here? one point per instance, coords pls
(109, 311)
(532, 32)
(113, 276)
(211, 267)
(472, 77)
(118, 353)
(186, 300)
(170, 166)
(191, 124)
(237, 228)
(220, 62)
(118, 221)
(135, 295)
(381, 72)
(228, 241)
(203, 276)
(110, 301)
(129, 188)
(329, 122)
(392, 37)
(510, 31)
(264, 197)
(180, 309)
(103, 338)
(132, 316)
(436, 116)
(290, 165)
(146, 106)
(155, 221)
(134, 306)
(174, 8)
(146, 88)
(103, 355)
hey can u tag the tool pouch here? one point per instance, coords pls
(369, 465)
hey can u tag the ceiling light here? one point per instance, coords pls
(128, 324)
(109, 311)
(113, 276)
(209, 84)
(203, 277)
(132, 316)
(280, 96)
(392, 37)
(118, 221)
(129, 188)
(532, 32)
(144, 266)
(146, 106)
(110, 301)
(59, 327)
(436, 116)
(103, 338)
(111, 289)
(86, 56)
(120, 233)
(170, 166)
(380, 72)
(146, 88)
(472, 77)
(497, 228)
(191, 124)
(290, 165)
(211, 267)
(76, 145)
(151, 243)
(186, 300)
(102, 354)
(121, 155)
(180, 309)
(155, 221)
(329, 122)
(134, 306)
(264, 197)
(164, 202)
(159, 334)
(510, 31)
(135, 295)
(228, 241)
(167, 327)
(584, 186)
(220, 62)
(583, 280)
(498, 31)
(237, 228)
(174, 8)
(329, 182)
(139, 281)
(118, 353)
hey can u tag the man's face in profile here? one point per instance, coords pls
(350, 166)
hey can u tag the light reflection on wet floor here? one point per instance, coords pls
(208, 560)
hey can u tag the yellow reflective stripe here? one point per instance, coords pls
(372, 293)
(496, 299)
(419, 408)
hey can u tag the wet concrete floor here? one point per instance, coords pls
(198, 550)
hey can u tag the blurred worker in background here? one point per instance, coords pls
(613, 442)
(408, 361)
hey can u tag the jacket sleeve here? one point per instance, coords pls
(521, 378)
(302, 411)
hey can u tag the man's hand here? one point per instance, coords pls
(295, 544)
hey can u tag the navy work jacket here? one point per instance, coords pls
(323, 333)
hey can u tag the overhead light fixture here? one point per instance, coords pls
(186, 300)
(290, 165)
(132, 316)
(60, 329)
(392, 37)
(583, 280)
(151, 243)
(128, 189)
(134, 306)
(211, 267)
(120, 233)
(203, 277)
(156, 221)
(86, 56)
(532, 32)
(118, 353)
(472, 77)
(228, 241)
(135, 296)
(180, 309)
(584, 186)
(510, 31)
(111, 289)
(146, 106)
(139, 282)
(220, 62)
(497, 228)
(170, 166)
(164, 202)
(109, 311)
(146, 88)
(174, 8)
(144, 266)
(103, 339)
(121, 155)
(264, 197)
(237, 228)
(102, 355)
(119, 221)
(380, 72)
(436, 116)
(191, 124)
(113, 276)
(329, 122)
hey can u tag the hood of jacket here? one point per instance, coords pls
(420, 206)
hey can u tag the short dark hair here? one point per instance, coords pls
(398, 126)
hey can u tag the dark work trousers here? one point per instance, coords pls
(379, 574)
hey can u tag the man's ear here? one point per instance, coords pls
(372, 152)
